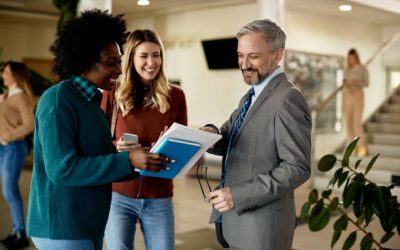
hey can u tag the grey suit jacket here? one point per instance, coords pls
(270, 158)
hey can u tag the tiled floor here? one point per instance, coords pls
(191, 217)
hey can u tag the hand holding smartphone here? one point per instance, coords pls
(130, 137)
(127, 142)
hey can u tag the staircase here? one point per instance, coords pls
(383, 136)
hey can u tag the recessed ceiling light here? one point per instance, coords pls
(143, 2)
(345, 7)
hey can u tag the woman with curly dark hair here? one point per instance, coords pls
(74, 159)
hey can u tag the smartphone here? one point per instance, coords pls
(130, 137)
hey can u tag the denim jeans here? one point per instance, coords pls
(12, 157)
(156, 218)
(49, 244)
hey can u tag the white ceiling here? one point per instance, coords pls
(360, 12)
(43, 10)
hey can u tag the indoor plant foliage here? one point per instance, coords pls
(362, 201)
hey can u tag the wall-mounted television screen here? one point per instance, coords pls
(221, 53)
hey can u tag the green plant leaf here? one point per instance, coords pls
(334, 203)
(342, 178)
(348, 151)
(349, 242)
(359, 177)
(386, 237)
(349, 193)
(358, 205)
(335, 237)
(305, 210)
(381, 201)
(366, 242)
(326, 163)
(398, 225)
(325, 194)
(319, 220)
(357, 163)
(341, 223)
(336, 176)
(382, 204)
(317, 207)
(371, 163)
(368, 215)
(313, 196)
(361, 219)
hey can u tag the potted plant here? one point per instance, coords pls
(362, 200)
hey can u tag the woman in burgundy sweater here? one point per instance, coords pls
(146, 104)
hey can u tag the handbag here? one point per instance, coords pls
(220, 236)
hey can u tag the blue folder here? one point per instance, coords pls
(179, 150)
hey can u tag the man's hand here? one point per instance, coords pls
(142, 159)
(221, 199)
(209, 129)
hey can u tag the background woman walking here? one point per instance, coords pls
(355, 79)
(16, 121)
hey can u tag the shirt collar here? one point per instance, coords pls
(87, 89)
(258, 88)
(14, 91)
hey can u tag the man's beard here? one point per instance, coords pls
(259, 77)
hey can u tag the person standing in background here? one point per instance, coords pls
(74, 159)
(16, 122)
(146, 104)
(355, 79)
(266, 147)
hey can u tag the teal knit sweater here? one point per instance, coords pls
(74, 166)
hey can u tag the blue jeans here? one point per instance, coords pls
(49, 244)
(156, 218)
(12, 157)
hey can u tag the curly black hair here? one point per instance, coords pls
(79, 42)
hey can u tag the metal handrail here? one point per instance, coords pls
(327, 100)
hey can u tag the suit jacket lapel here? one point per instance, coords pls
(263, 96)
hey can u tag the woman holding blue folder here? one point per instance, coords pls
(146, 104)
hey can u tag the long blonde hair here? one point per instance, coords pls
(159, 88)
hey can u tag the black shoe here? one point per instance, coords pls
(11, 237)
(15, 241)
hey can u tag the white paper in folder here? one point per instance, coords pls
(178, 131)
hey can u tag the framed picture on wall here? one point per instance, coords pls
(317, 76)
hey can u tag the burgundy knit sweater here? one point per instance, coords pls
(147, 123)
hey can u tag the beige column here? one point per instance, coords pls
(92, 4)
(273, 10)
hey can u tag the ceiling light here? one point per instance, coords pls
(345, 7)
(143, 2)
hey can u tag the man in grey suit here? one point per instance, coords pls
(265, 145)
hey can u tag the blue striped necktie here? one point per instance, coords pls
(235, 129)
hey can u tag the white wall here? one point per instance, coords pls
(392, 56)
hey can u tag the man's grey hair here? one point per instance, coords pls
(273, 34)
